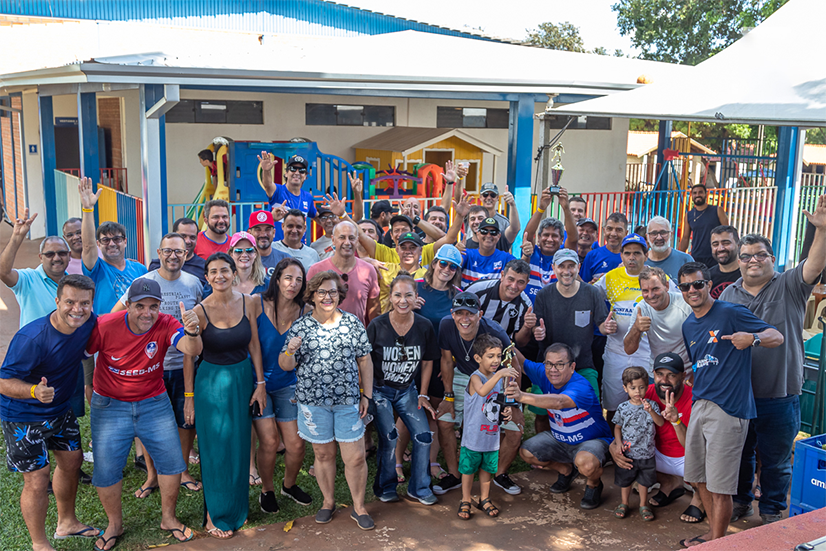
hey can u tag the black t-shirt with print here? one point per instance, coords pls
(720, 280)
(397, 359)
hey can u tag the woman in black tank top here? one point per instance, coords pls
(221, 397)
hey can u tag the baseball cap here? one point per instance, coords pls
(449, 253)
(236, 237)
(489, 223)
(382, 206)
(401, 218)
(562, 255)
(670, 361)
(260, 217)
(489, 186)
(321, 210)
(465, 301)
(297, 160)
(411, 237)
(143, 287)
(583, 221)
(635, 239)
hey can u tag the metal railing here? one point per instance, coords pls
(114, 178)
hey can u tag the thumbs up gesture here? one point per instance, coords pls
(43, 392)
(190, 320)
(530, 318)
(527, 247)
(642, 323)
(609, 326)
(539, 330)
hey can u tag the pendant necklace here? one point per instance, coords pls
(467, 352)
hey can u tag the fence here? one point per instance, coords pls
(114, 178)
(812, 186)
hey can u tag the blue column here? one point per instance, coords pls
(87, 114)
(48, 160)
(788, 138)
(520, 155)
(663, 143)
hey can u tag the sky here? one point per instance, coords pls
(596, 21)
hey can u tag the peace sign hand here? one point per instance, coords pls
(356, 184)
(670, 412)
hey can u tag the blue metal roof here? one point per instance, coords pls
(308, 17)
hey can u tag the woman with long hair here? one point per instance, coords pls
(251, 276)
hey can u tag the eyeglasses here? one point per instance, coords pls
(699, 284)
(248, 250)
(490, 194)
(449, 265)
(469, 302)
(759, 256)
(556, 366)
(117, 240)
(296, 169)
(332, 293)
(658, 233)
(400, 343)
(72, 234)
(327, 216)
(50, 254)
(489, 231)
(176, 252)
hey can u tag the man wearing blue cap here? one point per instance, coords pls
(289, 195)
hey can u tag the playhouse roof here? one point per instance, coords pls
(814, 154)
(766, 77)
(407, 139)
(644, 143)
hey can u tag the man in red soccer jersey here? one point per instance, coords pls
(130, 400)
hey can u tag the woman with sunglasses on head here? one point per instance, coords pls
(251, 276)
(330, 354)
(404, 344)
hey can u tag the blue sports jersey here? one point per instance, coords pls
(303, 202)
(598, 261)
(722, 374)
(476, 267)
(542, 273)
(577, 424)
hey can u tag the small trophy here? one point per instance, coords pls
(557, 169)
(507, 361)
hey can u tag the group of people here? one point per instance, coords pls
(260, 340)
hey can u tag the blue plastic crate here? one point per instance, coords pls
(808, 475)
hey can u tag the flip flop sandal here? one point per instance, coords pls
(106, 542)
(150, 489)
(621, 511)
(488, 507)
(81, 534)
(194, 459)
(214, 533)
(662, 499)
(255, 480)
(442, 473)
(693, 511)
(399, 477)
(172, 531)
(646, 513)
(697, 539)
(186, 485)
(407, 456)
(464, 509)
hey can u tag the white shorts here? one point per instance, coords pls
(674, 466)
(615, 363)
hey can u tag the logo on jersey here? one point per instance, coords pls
(151, 349)
(304, 203)
(262, 217)
(706, 361)
(511, 311)
(497, 265)
(712, 336)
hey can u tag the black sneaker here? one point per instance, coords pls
(85, 478)
(505, 482)
(140, 463)
(297, 494)
(592, 497)
(563, 483)
(267, 502)
(446, 484)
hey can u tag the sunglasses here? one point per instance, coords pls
(489, 231)
(116, 240)
(490, 194)
(50, 254)
(248, 250)
(759, 256)
(449, 265)
(400, 343)
(466, 302)
(296, 169)
(699, 284)
(345, 277)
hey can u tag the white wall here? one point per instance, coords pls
(33, 172)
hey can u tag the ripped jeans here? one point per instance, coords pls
(406, 404)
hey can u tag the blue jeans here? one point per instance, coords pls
(773, 433)
(406, 404)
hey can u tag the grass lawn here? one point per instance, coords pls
(142, 516)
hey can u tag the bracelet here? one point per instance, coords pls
(188, 334)
(424, 396)
(679, 421)
(189, 394)
(260, 382)
(87, 210)
(450, 399)
(32, 391)
(361, 391)
(288, 353)
(449, 395)
(540, 211)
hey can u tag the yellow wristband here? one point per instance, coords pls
(288, 353)
(541, 211)
(677, 423)
(449, 399)
(189, 394)
(87, 210)
(32, 391)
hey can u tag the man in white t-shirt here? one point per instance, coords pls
(294, 225)
(324, 244)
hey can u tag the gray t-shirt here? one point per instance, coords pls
(571, 320)
(272, 259)
(672, 264)
(323, 246)
(481, 423)
(666, 333)
(777, 372)
(637, 429)
(306, 254)
(187, 289)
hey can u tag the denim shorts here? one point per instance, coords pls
(174, 382)
(281, 405)
(116, 423)
(324, 424)
(545, 447)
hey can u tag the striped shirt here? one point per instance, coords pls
(542, 272)
(510, 315)
(475, 266)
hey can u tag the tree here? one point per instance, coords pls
(564, 36)
(689, 31)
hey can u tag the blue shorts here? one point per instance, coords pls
(174, 382)
(324, 424)
(116, 423)
(281, 405)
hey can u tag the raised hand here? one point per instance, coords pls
(23, 225)
(356, 184)
(508, 198)
(450, 172)
(279, 212)
(527, 246)
(461, 171)
(294, 345)
(190, 319)
(462, 208)
(43, 392)
(818, 218)
(740, 340)
(539, 330)
(609, 326)
(670, 412)
(265, 161)
(642, 323)
(530, 318)
(336, 205)
(563, 198)
(88, 197)
(545, 199)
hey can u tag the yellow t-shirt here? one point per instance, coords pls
(390, 257)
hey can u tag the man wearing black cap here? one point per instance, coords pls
(586, 230)
(457, 334)
(290, 196)
(381, 212)
(487, 261)
(324, 244)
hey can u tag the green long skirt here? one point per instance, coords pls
(222, 415)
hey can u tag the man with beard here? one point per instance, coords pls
(438, 217)
(487, 261)
(294, 226)
(214, 239)
(262, 228)
(661, 254)
(604, 259)
(289, 196)
(187, 228)
(725, 248)
(698, 223)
